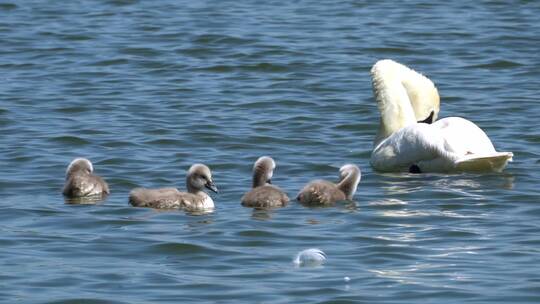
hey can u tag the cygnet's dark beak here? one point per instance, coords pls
(210, 185)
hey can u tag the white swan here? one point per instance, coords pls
(409, 137)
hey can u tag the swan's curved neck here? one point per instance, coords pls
(392, 100)
(403, 97)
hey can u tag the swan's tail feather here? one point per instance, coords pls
(485, 163)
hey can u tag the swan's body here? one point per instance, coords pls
(406, 144)
(81, 182)
(198, 178)
(263, 194)
(322, 192)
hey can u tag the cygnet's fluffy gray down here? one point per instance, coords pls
(263, 194)
(198, 177)
(321, 192)
(81, 182)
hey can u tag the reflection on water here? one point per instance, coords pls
(200, 212)
(399, 237)
(431, 213)
(344, 205)
(452, 183)
(461, 184)
(351, 206)
(197, 224)
(455, 251)
(93, 199)
(405, 213)
(262, 214)
(388, 202)
(507, 181)
(416, 274)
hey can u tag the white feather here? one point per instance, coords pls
(310, 257)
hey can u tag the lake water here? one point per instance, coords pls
(146, 88)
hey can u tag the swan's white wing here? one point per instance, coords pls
(448, 145)
(464, 137)
(410, 146)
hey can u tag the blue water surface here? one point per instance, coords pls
(146, 88)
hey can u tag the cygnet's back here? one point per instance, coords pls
(161, 198)
(322, 192)
(198, 177)
(81, 182)
(263, 194)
